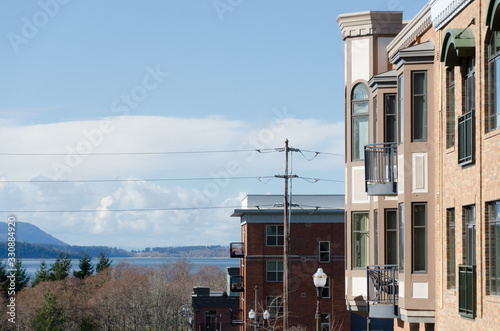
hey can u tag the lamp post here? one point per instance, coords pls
(252, 314)
(319, 279)
(266, 316)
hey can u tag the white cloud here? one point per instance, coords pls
(104, 225)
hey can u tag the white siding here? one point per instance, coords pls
(359, 286)
(360, 59)
(419, 173)
(420, 290)
(358, 185)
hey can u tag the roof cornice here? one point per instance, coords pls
(416, 27)
(370, 23)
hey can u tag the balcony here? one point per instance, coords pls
(382, 297)
(381, 169)
(237, 249)
(467, 290)
(237, 284)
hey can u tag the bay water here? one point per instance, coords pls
(32, 265)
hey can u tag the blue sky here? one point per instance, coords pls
(86, 77)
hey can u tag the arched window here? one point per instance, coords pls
(493, 109)
(359, 113)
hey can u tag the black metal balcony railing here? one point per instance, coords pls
(381, 169)
(383, 289)
(237, 249)
(467, 290)
(237, 283)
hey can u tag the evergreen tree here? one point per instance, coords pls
(50, 315)
(103, 263)
(3, 277)
(22, 279)
(61, 267)
(87, 324)
(86, 267)
(42, 274)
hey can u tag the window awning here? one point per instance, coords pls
(493, 15)
(457, 43)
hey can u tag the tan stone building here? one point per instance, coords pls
(423, 165)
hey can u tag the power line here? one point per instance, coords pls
(131, 180)
(117, 210)
(258, 150)
(259, 178)
(140, 153)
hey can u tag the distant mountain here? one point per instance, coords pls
(27, 232)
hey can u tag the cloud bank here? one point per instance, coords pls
(51, 189)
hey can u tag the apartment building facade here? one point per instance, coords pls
(467, 148)
(423, 165)
(316, 239)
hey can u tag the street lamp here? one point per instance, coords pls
(319, 279)
(266, 316)
(252, 314)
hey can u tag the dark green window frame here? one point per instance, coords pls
(450, 249)
(493, 86)
(419, 237)
(493, 248)
(466, 122)
(419, 105)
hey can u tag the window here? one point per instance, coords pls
(450, 249)
(391, 236)
(360, 242)
(375, 119)
(325, 322)
(466, 121)
(401, 218)
(375, 238)
(274, 235)
(493, 86)
(324, 251)
(390, 129)
(326, 290)
(359, 110)
(210, 320)
(450, 107)
(274, 306)
(419, 106)
(274, 271)
(419, 237)
(493, 247)
(469, 234)
(401, 108)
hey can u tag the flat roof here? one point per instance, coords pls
(273, 203)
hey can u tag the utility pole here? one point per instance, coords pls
(285, 243)
(286, 235)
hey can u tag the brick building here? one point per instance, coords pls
(467, 148)
(423, 165)
(215, 310)
(316, 240)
